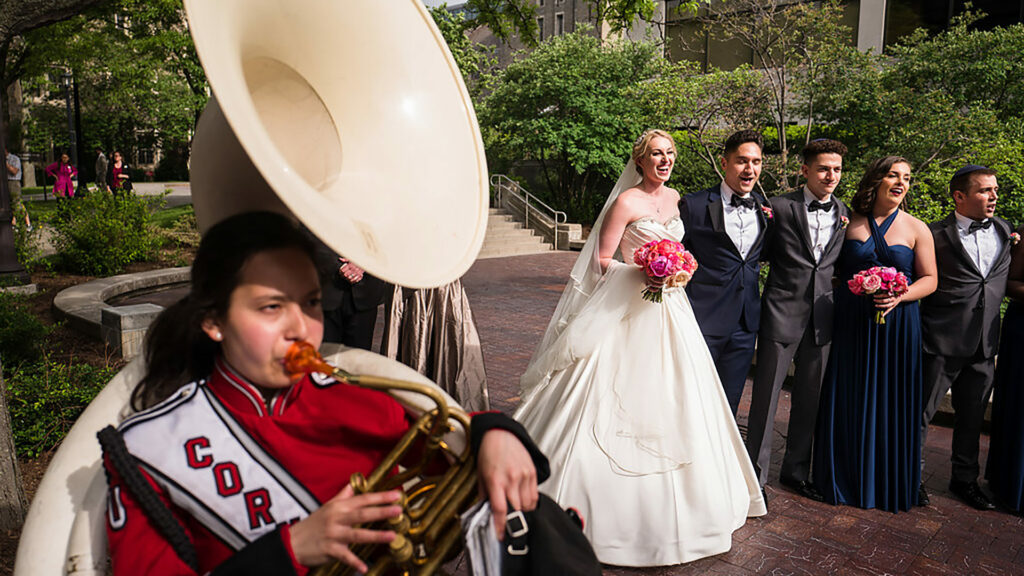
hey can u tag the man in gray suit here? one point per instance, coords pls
(960, 321)
(796, 313)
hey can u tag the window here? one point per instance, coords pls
(144, 156)
(541, 3)
(540, 28)
(559, 24)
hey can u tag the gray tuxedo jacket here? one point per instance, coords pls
(799, 290)
(963, 312)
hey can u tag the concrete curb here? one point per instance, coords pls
(82, 305)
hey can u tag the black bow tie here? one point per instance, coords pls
(816, 205)
(975, 226)
(737, 200)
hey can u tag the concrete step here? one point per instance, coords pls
(495, 233)
(497, 251)
(508, 237)
(523, 241)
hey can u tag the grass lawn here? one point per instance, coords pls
(43, 211)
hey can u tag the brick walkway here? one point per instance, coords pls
(513, 299)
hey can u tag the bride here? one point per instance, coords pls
(623, 397)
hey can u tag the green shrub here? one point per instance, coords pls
(101, 234)
(45, 398)
(21, 333)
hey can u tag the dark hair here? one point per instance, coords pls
(821, 146)
(863, 201)
(177, 350)
(962, 183)
(740, 138)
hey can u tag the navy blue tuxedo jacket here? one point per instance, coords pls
(724, 290)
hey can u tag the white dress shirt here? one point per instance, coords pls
(741, 224)
(982, 246)
(819, 223)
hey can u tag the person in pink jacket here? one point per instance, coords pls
(63, 172)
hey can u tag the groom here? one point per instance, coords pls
(960, 321)
(725, 229)
(796, 313)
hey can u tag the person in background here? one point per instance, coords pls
(867, 450)
(101, 170)
(796, 313)
(63, 174)
(725, 229)
(118, 175)
(432, 331)
(13, 169)
(1005, 468)
(960, 321)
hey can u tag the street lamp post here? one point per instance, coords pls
(72, 138)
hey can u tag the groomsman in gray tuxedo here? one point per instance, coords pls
(796, 313)
(960, 321)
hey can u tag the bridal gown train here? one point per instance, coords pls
(628, 407)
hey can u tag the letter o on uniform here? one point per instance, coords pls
(229, 481)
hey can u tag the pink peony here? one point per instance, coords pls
(888, 274)
(660, 267)
(871, 284)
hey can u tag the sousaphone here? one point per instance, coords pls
(352, 116)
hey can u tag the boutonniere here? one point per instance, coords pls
(767, 211)
(843, 222)
(1014, 238)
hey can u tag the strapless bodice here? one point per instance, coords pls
(644, 230)
(860, 255)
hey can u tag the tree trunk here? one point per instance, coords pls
(12, 496)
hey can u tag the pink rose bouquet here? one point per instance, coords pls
(666, 261)
(879, 280)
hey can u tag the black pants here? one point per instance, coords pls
(971, 381)
(353, 328)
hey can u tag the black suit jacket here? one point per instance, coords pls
(723, 291)
(797, 285)
(337, 292)
(963, 312)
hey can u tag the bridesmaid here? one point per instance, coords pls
(866, 449)
(1005, 469)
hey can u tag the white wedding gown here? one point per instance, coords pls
(627, 405)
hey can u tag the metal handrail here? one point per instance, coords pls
(502, 184)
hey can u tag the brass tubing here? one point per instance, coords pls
(464, 476)
(450, 539)
(449, 510)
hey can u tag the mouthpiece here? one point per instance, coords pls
(302, 358)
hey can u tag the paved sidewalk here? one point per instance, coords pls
(513, 299)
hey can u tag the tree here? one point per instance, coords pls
(140, 80)
(792, 44)
(17, 17)
(706, 106)
(941, 101)
(568, 106)
(474, 60)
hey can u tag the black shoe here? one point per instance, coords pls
(972, 495)
(803, 488)
(922, 496)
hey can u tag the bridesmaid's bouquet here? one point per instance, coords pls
(667, 262)
(879, 280)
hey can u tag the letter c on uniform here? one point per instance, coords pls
(197, 452)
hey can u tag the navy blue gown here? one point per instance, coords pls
(1005, 469)
(866, 448)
